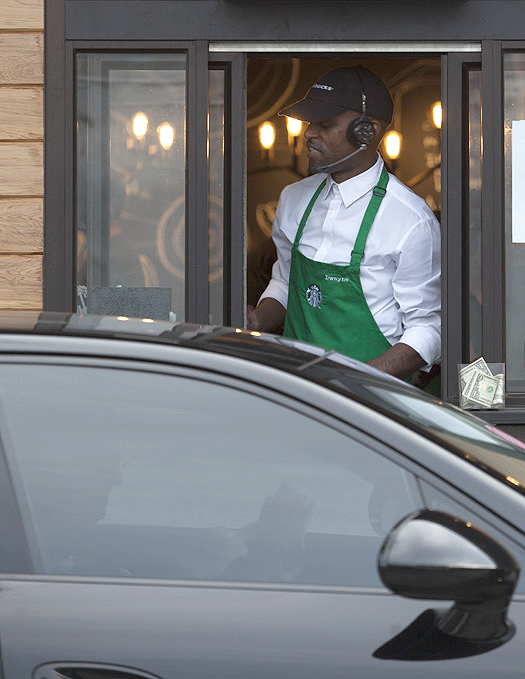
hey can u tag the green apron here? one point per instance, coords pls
(326, 303)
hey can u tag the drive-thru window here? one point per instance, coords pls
(161, 187)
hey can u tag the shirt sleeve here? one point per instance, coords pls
(417, 289)
(277, 288)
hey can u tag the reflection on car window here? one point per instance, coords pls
(130, 473)
(480, 442)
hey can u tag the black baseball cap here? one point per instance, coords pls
(341, 90)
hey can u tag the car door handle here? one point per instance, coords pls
(82, 670)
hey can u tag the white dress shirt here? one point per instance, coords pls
(400, 269)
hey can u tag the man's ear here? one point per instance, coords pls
(380, 128)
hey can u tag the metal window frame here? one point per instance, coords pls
(493, 206)
(59, 267)
(58, 241)
(234, 198)
(492, 220)
(455, 222)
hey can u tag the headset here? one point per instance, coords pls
(360, 132)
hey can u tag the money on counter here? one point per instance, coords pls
(479, 387)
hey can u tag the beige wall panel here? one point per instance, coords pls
(21, 169)
(21, 113)
(21, 58)
(18, 14)
(20, 281)
(21, 225)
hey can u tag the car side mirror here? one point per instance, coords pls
(433, 555)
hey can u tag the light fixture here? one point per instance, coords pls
(140, 125)
(437, 114)
(267, 135)
(166, 135)
(392, 143)
(294, 126)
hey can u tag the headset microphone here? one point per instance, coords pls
(324, 168)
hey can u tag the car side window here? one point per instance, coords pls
(142, 474)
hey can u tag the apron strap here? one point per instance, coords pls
(307, 213)
(378, 194)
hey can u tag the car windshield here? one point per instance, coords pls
(480, 443)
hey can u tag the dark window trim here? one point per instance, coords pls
(495, 50)
(234, 67)
(58, 245)
(454, 217)
(59, 254)
(196, 264)
(492, 220)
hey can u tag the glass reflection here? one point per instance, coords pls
(215, 195)
(131, 177)
(514, 117)
(474, 213)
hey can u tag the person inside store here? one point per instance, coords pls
(358, 253)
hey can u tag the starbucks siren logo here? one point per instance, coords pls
(314, 296)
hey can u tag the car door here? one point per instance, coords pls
(180, 523)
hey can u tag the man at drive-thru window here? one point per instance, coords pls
(358, 253)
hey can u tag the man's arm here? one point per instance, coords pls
(267, 317)
(400, 361)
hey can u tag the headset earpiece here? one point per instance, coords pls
(361, 131)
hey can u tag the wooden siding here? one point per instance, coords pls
(21, 225)
(21, 59)
(21, 113)
(21, 153)
(21, 282)
(22, 14)
(21, 169)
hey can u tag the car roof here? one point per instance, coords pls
(329, 369)
(310, 361)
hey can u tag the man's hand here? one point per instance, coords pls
(400, 361)
(268, 316)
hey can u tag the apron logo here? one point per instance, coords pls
(314, 296)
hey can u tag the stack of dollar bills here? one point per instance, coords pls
(479, 387)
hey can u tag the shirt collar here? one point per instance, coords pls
(356, 187)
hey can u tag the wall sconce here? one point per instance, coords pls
(294, 126)
(267, 138)
(437, 114)
(267, 135)
(166, 135)
(140, 125)
(392, 144)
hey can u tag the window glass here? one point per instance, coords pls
(514, 130)
(142, 474)
(130, 183)
(475, 148)
(215, 195)
(481, 443)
